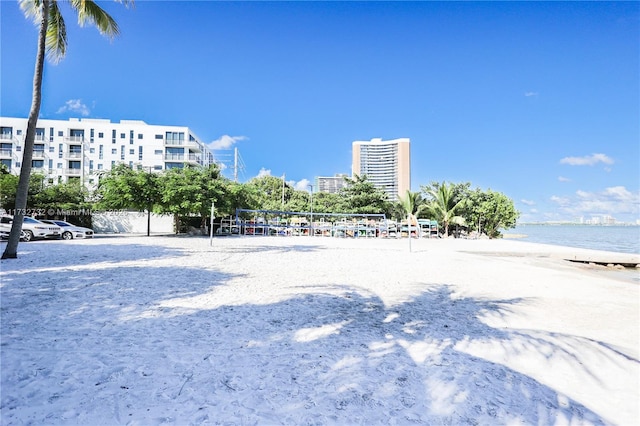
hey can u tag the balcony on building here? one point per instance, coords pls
(38, 151)
(74, 151)
(76, 136)
(6, 150)
(193, 159)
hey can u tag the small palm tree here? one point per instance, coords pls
(412, 203)
(443, 205)
(52, 40)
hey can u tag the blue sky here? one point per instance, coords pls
(539, 101)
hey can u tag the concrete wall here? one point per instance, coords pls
(131, 222)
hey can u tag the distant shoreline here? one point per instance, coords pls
(576, 224)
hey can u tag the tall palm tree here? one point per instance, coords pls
(443, 205)
(52, 41)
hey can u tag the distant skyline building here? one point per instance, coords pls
(387, 164)
(82, 149)
(331, 184)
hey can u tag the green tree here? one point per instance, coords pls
(361, 196)
(443, 204)
(125, 188)
(269, 192)
(492, 211)
(325, 202)
(52, 40)
(62, 199)
(190, 191)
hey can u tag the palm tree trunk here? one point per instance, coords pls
(11, 250)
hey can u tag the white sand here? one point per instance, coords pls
(143, 331)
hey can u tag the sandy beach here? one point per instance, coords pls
(316, 331)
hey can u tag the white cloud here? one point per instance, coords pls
(528, 202)
(588, 160)
(561, 201)
(302, 185)
(226, 142)
(563, 179)
(264, 172)
(74, 105)
(616, 200)
(530, 94)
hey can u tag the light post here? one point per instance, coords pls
(311, 227)
(149, 175)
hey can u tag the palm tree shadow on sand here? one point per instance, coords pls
(407, 363)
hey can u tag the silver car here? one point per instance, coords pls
(71, 231)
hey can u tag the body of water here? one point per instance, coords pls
(621, 239)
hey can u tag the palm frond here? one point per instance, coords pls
(89, 11)
(31, 9)
(56, 43)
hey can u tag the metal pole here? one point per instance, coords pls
(311, 226)
(211, 225)
(283, 191)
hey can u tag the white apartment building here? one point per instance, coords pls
(83, 148)
(387, 164)
(330, 184)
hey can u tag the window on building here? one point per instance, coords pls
(139, 135)
(113, 136)
(52, 149)
(157, 167)
(59, 165)
(101, 152)
(18, 132)
(114, 151)
(6, 162)
(100, 135)
(131, 137)
(123, 135)
(18, 148)
(99, 166)
(18, 164)
(60, 150)
(140, 153)
(37, 164)
(50, 163)
(92, 150)
(90, 165)
(132, 151)
(158, 152)
(60, 133)
(122, 152)
(6, 132)
(39, 134)
(50, 133)
(158, 136)
(131, 164)
(91, 135)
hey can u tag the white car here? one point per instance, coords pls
(32, 228)
(70, 231)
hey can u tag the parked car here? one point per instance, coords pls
(4, 234)
(70, 231)
(32, 228)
